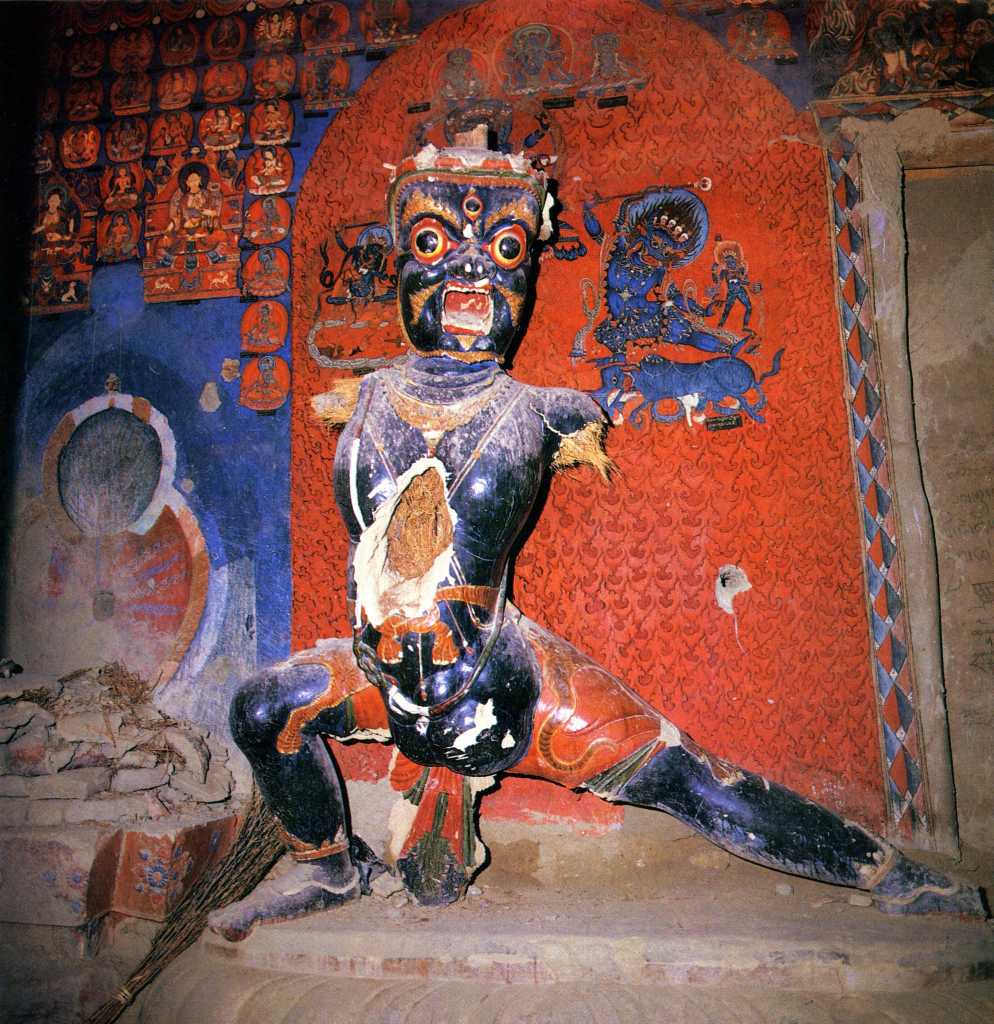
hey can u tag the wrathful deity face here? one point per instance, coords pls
(464, 253)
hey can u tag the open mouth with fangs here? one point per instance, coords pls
(467, 309)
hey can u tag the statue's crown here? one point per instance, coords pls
(469, 161)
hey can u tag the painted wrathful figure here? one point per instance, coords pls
(436, 473)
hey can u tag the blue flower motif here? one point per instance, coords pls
(158, 875)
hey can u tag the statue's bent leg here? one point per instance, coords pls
(592, 732)
(279, 719)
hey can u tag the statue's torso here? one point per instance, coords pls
(434, 494)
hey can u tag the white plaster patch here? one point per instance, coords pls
(402, 816)
(380, 592)
(425, 157)
(478, 784)
(546, 227)
(731, 581)
(670, 734)
(689, 403)
(376, 735)
(483, 718)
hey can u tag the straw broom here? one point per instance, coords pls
(256, 848)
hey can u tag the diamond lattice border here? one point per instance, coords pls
(900, 727)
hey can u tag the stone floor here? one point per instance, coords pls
(713, 940)
(618, 928)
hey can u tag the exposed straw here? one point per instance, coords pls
(127, 688)
(584, 447)
(256, 847)
(335, 406)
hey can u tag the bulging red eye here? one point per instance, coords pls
(429, 242)
(509, 246)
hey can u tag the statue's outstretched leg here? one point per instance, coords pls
(278, 719)
(761, 821)
(592, 732)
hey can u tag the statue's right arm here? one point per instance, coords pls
(335, 406)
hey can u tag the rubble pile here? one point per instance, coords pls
(92, 747)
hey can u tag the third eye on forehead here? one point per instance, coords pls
(446, 202)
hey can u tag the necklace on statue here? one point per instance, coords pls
(433, 420)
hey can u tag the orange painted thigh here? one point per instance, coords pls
(366, 717)
(588, 725)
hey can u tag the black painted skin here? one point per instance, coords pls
(495, 465)
(302, 788)
(492, 504)
(753, 817)
(739, 810)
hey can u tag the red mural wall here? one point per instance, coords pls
(627, 570)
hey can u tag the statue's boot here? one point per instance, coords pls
(304, 889)
(766, 823)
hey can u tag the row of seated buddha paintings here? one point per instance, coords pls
(322, 26)
(267, 172)
(188, 239)
(77, 147)
(123, 192)
(321, 80)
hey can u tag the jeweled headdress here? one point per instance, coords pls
(469, 162)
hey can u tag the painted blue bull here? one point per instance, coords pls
(692, 386)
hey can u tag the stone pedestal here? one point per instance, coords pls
(706, 941)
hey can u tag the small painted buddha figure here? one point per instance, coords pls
(194, 214)
(439, 464)
(56, 225)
